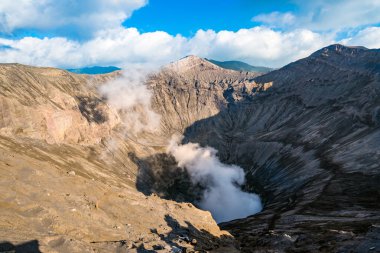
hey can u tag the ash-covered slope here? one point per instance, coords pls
(310, 147)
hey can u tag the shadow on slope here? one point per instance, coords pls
(202, 240)
(26, 247)
(160, 174)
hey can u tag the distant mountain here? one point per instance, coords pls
(240, 66)
(94, 70)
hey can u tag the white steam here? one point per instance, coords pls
(130, 95)
(223, 196)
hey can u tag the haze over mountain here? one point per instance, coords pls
(77, 157)
(94, 70)
(240, 66)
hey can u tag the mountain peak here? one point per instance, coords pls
(192, 58)
(193, 63)
(340, 49)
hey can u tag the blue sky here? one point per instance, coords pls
(187, 17)
(77, 33)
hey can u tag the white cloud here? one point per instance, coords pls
(41, 52)
(276, 19)
(124, 46)
(120, 47)
(369, 37)
(77, 17)
(105, 42)
(127, 46)
(258, 45)
(325, 15)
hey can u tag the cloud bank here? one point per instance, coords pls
(223, 196)
(276, 19)
(127, 46)
(370, 37)
(123, 47)
(79, 19)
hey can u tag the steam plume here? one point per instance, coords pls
(130, 96)
(223, 196)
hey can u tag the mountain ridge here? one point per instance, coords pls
(240, 66)
(94, 70)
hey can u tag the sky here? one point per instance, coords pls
(273, 33)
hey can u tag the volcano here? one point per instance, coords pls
(306, 137)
